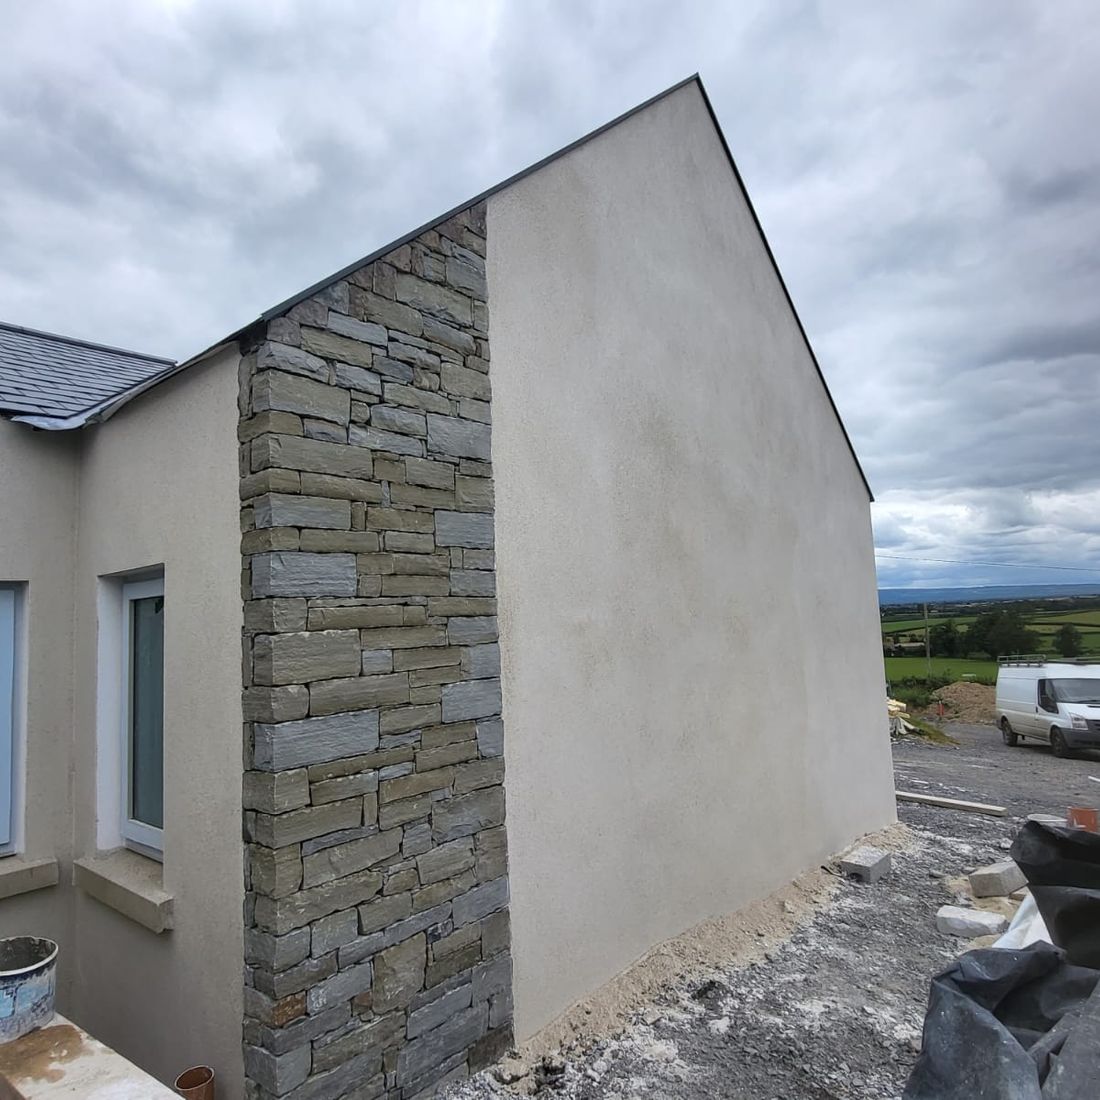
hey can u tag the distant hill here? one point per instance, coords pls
(888, 597)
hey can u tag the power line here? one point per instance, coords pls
(996, 564)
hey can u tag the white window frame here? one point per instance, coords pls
(135, 834)
(10, 714)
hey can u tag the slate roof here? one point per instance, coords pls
(56, 377)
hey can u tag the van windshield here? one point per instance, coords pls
(1077, 690)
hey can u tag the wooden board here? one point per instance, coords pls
(951, 803)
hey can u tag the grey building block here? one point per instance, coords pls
(953, 920)
(998, 880)
(866, 863)
(451, 435)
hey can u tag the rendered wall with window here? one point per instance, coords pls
(157, 719)
(38, 508)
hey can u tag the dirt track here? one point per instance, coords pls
(835, 1012)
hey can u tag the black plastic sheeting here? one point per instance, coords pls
(1024, 1024)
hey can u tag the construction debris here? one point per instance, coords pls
(866, 863)
(998, 880)
(950, 803)
(968, 924)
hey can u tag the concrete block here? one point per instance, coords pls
(968, 924)
(866, 863)
(998, 880)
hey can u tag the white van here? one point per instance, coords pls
(1055, 701)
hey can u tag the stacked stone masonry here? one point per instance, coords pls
(377, 938)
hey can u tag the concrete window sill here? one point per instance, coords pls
(21, 876)
(129, 883)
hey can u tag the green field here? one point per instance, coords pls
(954, 668)
(1045, 624)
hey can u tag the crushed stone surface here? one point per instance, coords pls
(834, 1011)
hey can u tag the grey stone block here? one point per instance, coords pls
(467, 814)
(332, 932)
(490, 737)
(463, 382)
(473, 582)
(378, 440)
(998, 880)
(418, 922)
(305, 656)
(290, 510)
(472, 630)
(466, 272)
(342, 986)
(438, 332)
(480, 902)
(418, 839)
(303, 1031)
(276, 356)
(440, 1010)
(399, 973)
(358, 330)
(492, 977)
(275, 793)
(481, 661)
(358, 693)
(393, 369)
(276, 391)
(471, 699)
(373, 1037)
(278, 1073)
(358, 378)
(866, 863)
(294, 980)
(382, 912)
(352, 1081)
(455, 1035)
(314, 740)
(439, 301)
(276, 952)
(450, 435)
(345, 859)
(392, 418)
(279, 830)
(953, 920)
(293, 452)
(473, 529)
(445, 861)
(288, 573)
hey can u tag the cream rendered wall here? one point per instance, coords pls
(692, 675)
(159, 484)
(38, 483)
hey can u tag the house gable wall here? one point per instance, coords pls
(377, 936)
(691, 662)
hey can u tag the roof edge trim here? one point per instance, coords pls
(378, 253)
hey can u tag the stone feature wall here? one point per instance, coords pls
(377, 959)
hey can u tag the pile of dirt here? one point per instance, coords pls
(967, 702)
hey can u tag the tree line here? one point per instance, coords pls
(998, 634)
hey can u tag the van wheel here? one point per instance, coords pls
(1008, 735)
(1058, 743)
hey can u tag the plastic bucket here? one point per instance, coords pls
(28, 979)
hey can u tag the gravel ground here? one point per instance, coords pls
(835, 1013)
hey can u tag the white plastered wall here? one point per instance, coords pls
(693, 684)
(157, 484)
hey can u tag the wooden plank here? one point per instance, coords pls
(951, 803)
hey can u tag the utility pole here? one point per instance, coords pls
(927, 644)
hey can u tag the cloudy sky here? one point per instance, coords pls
(928, 175)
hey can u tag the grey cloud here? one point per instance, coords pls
(927, 175)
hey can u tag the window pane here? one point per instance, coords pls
(147, 711)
